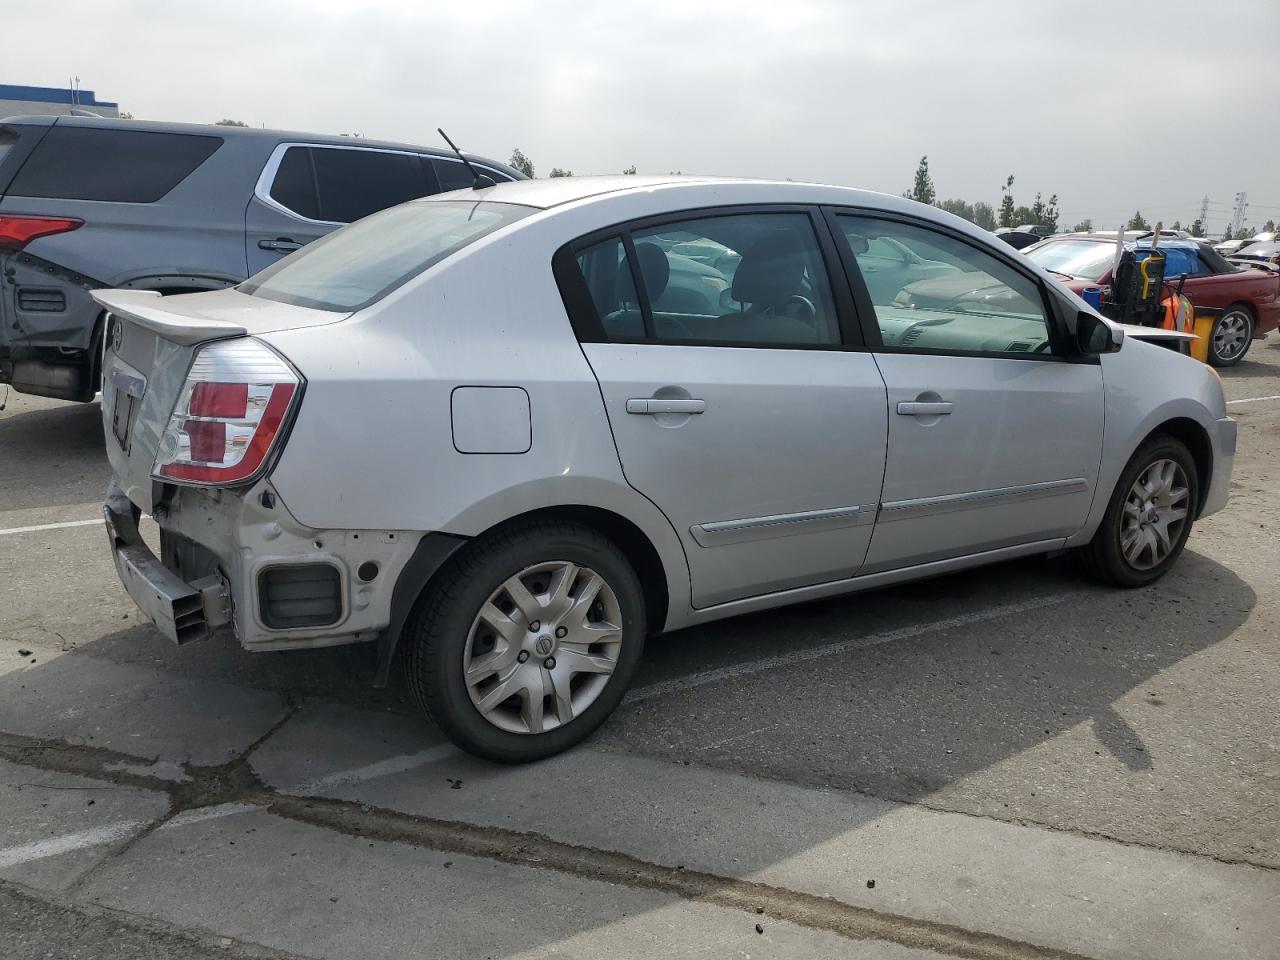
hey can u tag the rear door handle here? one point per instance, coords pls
(923, 408)
(280, 246)
(650, 406)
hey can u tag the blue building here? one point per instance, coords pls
(18, 101)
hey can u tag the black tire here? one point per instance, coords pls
(436, 637)
(1102, 558)
(1235, 314)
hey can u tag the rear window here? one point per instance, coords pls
(124, 166)
(343, 185)
(360, 264)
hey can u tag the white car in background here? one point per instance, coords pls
(479, 428)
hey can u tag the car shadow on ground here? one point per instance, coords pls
(52, 455)
(908, 718)
(1248, 369)
(898, 720)
(902, 720)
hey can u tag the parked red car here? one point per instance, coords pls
(1250, 298)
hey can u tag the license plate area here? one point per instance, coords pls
(122, 417)
(127, 390)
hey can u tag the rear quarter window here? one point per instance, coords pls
(123, 166)
(360, 264)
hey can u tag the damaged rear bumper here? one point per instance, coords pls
(182, 611)
(240, 559)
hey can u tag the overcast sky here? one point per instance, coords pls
(1112, 105)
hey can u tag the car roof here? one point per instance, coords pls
(695, 191)
(212, 129)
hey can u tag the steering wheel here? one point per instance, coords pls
(807, 313)
(1042, 347)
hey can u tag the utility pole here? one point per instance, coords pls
(1204, 215)
(1237, 219)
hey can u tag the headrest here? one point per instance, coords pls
(654, 268)
(771, 272)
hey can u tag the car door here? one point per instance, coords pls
(994, 435)
(307, 190)
(750, 416)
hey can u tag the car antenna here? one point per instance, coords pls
(479, 181)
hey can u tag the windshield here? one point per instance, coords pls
(1079, 258)
(360, 264)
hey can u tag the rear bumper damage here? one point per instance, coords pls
(242, 561)
(182, 611)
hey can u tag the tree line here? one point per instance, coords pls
(1008, 214)
(522, 163)
(1041, 212)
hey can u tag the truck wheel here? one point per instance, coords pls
(1148, 518)
(528, 641)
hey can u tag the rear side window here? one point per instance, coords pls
(752, 278)
(360, 264)
(342, 186)
(123, 166)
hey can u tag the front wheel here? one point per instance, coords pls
(1148, 518)
(1232, 335)
(529, 641)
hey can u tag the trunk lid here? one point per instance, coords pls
(148, 348)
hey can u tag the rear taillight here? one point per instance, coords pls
(16, 232)
(237, 397)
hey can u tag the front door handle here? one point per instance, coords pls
(924, 408)
(283, 245)
(651, 407)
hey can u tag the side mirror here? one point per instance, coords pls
(1095, 336)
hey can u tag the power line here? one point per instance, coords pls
(1237, 217)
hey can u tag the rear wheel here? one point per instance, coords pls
(1232, 335)
(529, 641)
(1148, 518)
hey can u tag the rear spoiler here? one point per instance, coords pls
(1254, 264)
(144, 308)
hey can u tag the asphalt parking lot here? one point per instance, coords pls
(1009, 762)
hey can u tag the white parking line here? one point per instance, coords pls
(1254, 399)
(200, 814)
(51, 526)
(383, 768)
(693, 680)
(52, 847)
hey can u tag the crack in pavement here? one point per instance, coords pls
(233, 779)
(236, 784)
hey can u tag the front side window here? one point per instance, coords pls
(361, 263)
(294, 186)
(949, 296)
(342, 185)
(355, 183)
(454, 175)
(751, 278)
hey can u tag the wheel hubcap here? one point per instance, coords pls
(1155, 512)
(1231, 336)
(543, 646)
